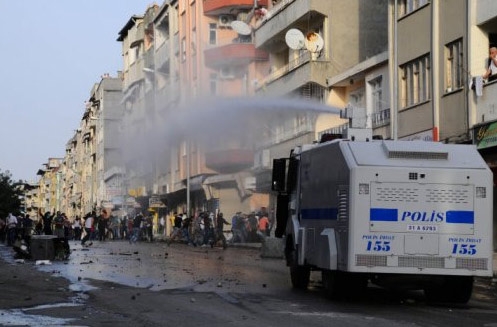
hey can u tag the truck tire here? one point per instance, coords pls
(299, 275)
(452, 289)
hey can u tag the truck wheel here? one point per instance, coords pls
(452, 289)
(299, 274)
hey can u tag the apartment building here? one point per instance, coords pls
(49, 185)
(195, 54)
(138, 101)
(353, 56)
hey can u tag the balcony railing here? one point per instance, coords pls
(381, 118)
(274, 11)
(162, 54)
(302, 59)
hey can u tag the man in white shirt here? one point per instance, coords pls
(491, 73)
(11, 229)
(88, 229)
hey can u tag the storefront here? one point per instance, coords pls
(485, 139)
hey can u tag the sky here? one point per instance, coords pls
(51, 54)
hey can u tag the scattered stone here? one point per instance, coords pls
(136, 252)
(28, 299)
(201, 281)
(125, 253)
(192, 300)
(43, 262)
(133, 297)
(19, 261)
(264, 285)
(219, 284)
(79, 279)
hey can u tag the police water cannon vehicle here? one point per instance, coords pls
(414, 215)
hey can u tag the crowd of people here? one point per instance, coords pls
(207, 229)
(202, 229)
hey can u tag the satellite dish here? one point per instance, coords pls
(314, 42)
(241, 28)
(295, 39)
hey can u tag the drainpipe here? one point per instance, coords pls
(435, 73)
(395, 91)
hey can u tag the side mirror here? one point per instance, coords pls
(279, 175)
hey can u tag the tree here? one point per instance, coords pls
(10, 192)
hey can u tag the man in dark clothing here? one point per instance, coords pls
(47, 223)
(136, 228)
(102, 225)
(207, 228)
(27, 225)
(220, 222)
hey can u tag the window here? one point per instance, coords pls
(213, 84)
(213, 34)
(415, 82)
(408, 6)
(453, 66)
(377, 94)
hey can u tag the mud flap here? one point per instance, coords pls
(301, 246)
(332, 246)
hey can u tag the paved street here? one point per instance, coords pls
(115, 283)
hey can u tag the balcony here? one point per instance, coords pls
(296, 74)
(134, 74)
(381, 118)
(162, 54)
(220, 7)
(229, 161)
(237, 53)
(285, 14)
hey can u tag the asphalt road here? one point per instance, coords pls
(115, 283)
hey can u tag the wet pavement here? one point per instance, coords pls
(115, 283)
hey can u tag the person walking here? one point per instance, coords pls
(89, 220)
(220, 222)
(137, 222)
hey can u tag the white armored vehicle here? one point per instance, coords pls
(416, 215)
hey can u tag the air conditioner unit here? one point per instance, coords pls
(227, 73)
(225, 20)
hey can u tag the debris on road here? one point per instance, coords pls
(43, 262)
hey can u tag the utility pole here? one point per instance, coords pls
(187, 178)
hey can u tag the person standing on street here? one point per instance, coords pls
(102, 225)
(77, 228)
(88, 229)
(59, 225)
(11, 229)
(47, 223)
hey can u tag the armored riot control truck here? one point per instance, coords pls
(416, 215)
